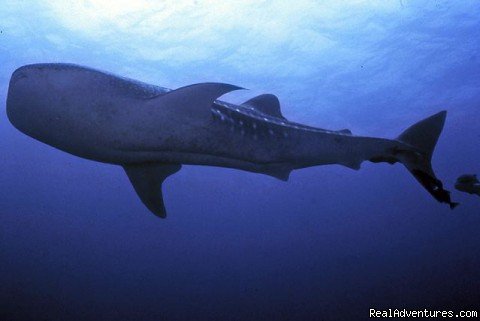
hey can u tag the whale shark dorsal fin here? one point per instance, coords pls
(195, 99)
(147, 179)
(267, 104)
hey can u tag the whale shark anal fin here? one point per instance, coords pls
(147, 179)
(267, 104)
(194, 99)
(279, 171)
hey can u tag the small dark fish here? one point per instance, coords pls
(468, 184)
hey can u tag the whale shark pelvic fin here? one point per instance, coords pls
(147, 179)
(267, 104)
(194, 99)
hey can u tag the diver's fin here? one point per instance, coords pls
(147, 179)
(194, 99)
(423, 137)
(267, 104)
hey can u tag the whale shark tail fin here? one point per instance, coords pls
(424, 134)
(423, 137)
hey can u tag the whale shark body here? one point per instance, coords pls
(151, 131)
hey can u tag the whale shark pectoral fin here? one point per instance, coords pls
(147, 179)
(195, 99)
(267, 104)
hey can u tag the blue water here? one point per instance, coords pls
(77, 244)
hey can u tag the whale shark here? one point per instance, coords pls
(151, 131)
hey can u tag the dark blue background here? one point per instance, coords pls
(77, 244)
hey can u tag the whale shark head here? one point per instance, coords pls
(52, 103)
(100, 116)
(33, 100)
(23, 107)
